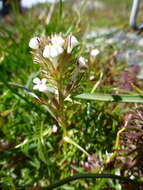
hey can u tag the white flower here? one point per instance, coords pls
(71, 43)
(94, 52)
(82, 63)
(117, 172)
(54, 128)
(57, 40)
(34, 43)
(51, 51)
(132, 177)
(40, 84)
(31, 3)
(108, 154)
(91, 78)
(67, 139)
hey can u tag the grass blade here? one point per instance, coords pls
(111, 97)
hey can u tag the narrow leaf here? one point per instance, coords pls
(111, 97)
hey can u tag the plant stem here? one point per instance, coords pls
(93, 176)
(70, 141)
(117, 143)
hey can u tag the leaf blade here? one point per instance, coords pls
(111, 97)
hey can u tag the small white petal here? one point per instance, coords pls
(91, 77)
(117, 172)
(56, 50)
(132, 177)
(36, 87)
(69, 49)
(94, 52)
(40, 84)
(71, 43)
(82, 60)
(67, 139)
(56, 92)
(43, 80)
(46, 52)
(108, 154)
(59, 49)
(57, 40)
(36, 80)
(34, 43)
(53, 51)
(42, 88)
(54, 128)
(82, 63)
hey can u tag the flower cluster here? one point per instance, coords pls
(61, 67)
(54, 46)
(54, 54)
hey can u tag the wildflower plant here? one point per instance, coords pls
(33, 146)
(61, 69)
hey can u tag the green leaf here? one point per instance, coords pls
(41, 152)
(111, 97)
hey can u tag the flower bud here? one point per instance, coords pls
(34, 43)
(54, 129)
(92, 78)
(71, 43)
(82, 63)
(94, 52)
